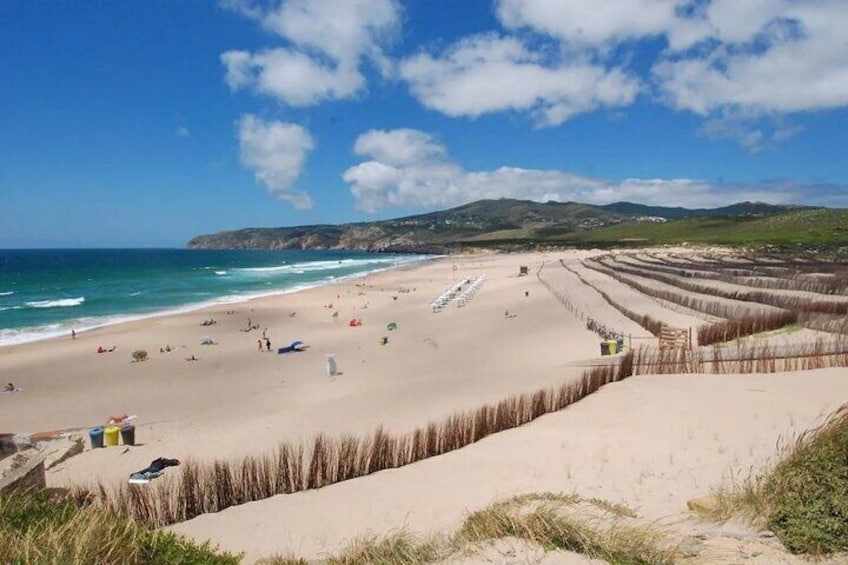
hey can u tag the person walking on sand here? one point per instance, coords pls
(259, 341)
(267, 345)
(73, 334)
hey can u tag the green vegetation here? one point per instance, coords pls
(507, 224)
(787, 229)
(803, 498)
(36, 530)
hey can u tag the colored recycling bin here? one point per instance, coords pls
(128, 434)
(110, 436)
(612, 346)
(605, 350)
(96, 437)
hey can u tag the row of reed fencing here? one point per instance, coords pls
(710, 307)
(652, 325)
(786, 302)
(744, 359)
(204, 487)
(754, 276)
(559, 295)
(595, 326)
(750, 324)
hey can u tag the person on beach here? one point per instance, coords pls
(10, 387)
(73, 334)
(259, 341)
(267, 344)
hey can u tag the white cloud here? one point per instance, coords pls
(399, 147)
(328, 42)
(766, 57)
(488, 73)
(391, 179)
(290, 76)
(589, 21)
(275, 151)
(183, 132)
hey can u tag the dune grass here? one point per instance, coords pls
(803, 498)
(39, 530)
(534, 517)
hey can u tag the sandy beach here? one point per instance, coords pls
(651, 442)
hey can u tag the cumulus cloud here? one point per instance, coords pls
(764, 57)
(417, 173)
(275, 151)
(588, 21)
(327, 44)
(756, 60)
(490, 73)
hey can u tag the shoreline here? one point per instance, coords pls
(34, 335)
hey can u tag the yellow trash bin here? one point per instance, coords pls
(612, 346)
(110, 436)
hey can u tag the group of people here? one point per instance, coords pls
(209, 322)
(250, 326)
(267, 344)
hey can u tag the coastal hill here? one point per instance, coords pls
(520, 224)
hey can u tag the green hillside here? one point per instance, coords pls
(801, 227)
(509, 224)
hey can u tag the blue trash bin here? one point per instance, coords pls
(96, 437)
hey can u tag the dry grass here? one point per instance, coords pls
(36, 529)
(201, 488)
(538, 518)
(545, 523)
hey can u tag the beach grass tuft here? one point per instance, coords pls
(803, 498)
(39, 529)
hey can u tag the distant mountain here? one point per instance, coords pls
(503, 223)
(741, 209)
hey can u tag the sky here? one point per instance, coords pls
(142, 123)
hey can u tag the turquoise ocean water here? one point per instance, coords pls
(45, 293)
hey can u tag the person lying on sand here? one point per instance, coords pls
(10, 387)
(101, 349)
(192, 358)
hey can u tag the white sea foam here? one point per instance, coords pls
(61, 303)
(7, 293)
(220, 273)
(313, 266)
(24, 335)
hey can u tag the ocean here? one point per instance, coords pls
(47, 292)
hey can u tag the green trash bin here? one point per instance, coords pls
(605, 348)
(128, 434)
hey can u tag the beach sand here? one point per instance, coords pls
(235, 400)
(651, 442)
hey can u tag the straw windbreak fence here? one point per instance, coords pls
(744, 359)
(203, 487)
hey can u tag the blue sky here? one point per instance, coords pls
(144, 123)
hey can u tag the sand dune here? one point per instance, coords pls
(651, 442)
